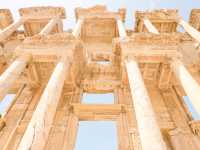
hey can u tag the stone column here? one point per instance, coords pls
(77, 30)
(39, 126)
(8, 78)
(121, 28)
(49, 27)
(149, 131)
(191, 87)
(5, 33)
(150, 27)
(190, 30)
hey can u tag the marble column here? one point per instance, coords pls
(150, 27)
(39, 126)
(189, 84)
(77, 30)
(149, 131)
(49, 27)
(5, 33)
(121, 28)
(190, 30)
(9, 77)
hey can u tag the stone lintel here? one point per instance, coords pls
(165, 15)
(99, 11)
(49, 46)
(100, 86)
(98, 112)
(44, 54)
(148, 47)
(42, 12)
(154, 39)
(58, 38)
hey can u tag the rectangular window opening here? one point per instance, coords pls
(93, 98)
(180, 29)
(191, 108)
(97, 135)
(5, 103)
(103, 62)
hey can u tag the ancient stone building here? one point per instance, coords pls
(149, 69)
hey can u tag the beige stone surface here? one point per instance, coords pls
(50, 69)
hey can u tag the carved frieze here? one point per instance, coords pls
(165, 20)
(195, 18)
(42, 12)
(99, 11)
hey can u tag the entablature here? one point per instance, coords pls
(195, 18)
(100, 85)
(100, 11)
(39, 13)
(47, 50)
(37, 17)
(98, 112)
(165, 20)
(153, 52)
(148, 47)
(98, 71)
(40, 46)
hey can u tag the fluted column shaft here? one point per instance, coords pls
(190, 30)
(77, 29)
(150, 27)
(149, 131)
(5, 33)
(49, 27)
(8, 78)
(189, 84)
(121, 28)
(39, 126)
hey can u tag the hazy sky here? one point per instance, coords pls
(184, 6)
(101, 135)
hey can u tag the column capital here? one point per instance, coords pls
(27, 57)
(130, 58)
(12, 73)
(150, 27)
(77, 29)
(121, 28)
(5, 33)
(50, 25)
(194, 33)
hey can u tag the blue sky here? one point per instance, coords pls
(184, 6)
(102, 135)
(99, 135)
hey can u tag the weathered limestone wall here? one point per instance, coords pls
(145, 68)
